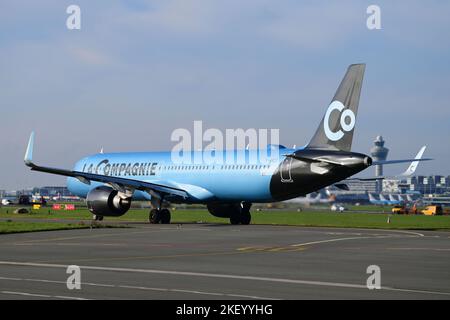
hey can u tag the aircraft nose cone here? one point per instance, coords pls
(368, 161)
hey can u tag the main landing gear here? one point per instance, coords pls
(159, 216)
(243, 215)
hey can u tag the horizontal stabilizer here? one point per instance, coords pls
(398, 161)
(307, 159)
(411, 169)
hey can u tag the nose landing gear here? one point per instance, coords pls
(97, 217)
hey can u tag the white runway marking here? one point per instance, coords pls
(199, 292)
(338, 239)
(103, 235)
(222, 276)
(130, 287)
(427, 249)
(27, 294)
(408, 232)
(69, 298)
(382, 230)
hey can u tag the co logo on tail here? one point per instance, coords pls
(347, 114)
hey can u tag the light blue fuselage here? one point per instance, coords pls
(239, 176)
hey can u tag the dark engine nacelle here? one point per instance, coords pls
(105, 201)
(224, 210)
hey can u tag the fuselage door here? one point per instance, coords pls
(285, 170)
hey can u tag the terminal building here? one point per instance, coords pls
(416, 186)
(52, 191)
(48, 192)
(436, 184)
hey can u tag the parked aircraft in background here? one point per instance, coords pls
(318, 199)
(382, 201)
(392, 198)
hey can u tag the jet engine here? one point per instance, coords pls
(105, 201)
(224, 210)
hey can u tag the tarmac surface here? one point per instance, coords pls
(215, 261)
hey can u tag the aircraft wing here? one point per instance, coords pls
(120, 184)
(414, 162)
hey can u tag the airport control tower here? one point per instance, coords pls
(379, 152)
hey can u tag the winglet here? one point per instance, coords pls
(29, 153)
(413, 166)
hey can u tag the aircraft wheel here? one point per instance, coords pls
(165, 216)
(96, 217)
(154, 216)
(235, 219)
(246, 218)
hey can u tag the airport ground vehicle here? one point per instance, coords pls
(337, 208)
(432, 210)
(400, 209)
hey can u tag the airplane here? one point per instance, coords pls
(382, 201)
(375, 201)
(392, 198)
(310, 200)
(111, 181)
(390, 201)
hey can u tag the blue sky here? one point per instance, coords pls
(137, 70)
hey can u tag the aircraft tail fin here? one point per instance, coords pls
(28, 159)
(413, 166)
(337, 126)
